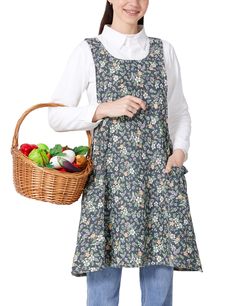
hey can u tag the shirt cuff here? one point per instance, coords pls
(89, 114)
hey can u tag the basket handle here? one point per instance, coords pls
(29, 110)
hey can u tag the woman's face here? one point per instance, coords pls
(129, 11)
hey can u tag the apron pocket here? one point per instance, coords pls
(176, 180)
(182, 169)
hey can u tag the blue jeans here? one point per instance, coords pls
(156, 284)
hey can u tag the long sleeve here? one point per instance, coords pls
(179, 119)
(73, 82)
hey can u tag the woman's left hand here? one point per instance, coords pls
(176, 159)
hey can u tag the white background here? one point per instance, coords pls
(38, 239)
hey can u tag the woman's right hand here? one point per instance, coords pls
(128, 106)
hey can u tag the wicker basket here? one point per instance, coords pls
(42, 183)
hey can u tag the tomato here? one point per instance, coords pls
(62, 170)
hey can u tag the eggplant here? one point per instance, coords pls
(67, 165)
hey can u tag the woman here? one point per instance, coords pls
(134, 209)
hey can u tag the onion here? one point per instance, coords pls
(69, 155)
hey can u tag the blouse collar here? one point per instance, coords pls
(118, 39)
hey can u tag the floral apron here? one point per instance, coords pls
(133, 213)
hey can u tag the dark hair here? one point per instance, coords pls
(108, 17)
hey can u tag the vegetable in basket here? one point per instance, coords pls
(81, 161)
(67, 154)
(39, 156)
(67, 165)
(43, 147)
(57, 150)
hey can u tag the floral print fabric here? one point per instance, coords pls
(133, 213)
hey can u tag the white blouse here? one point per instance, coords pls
(79, 75)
